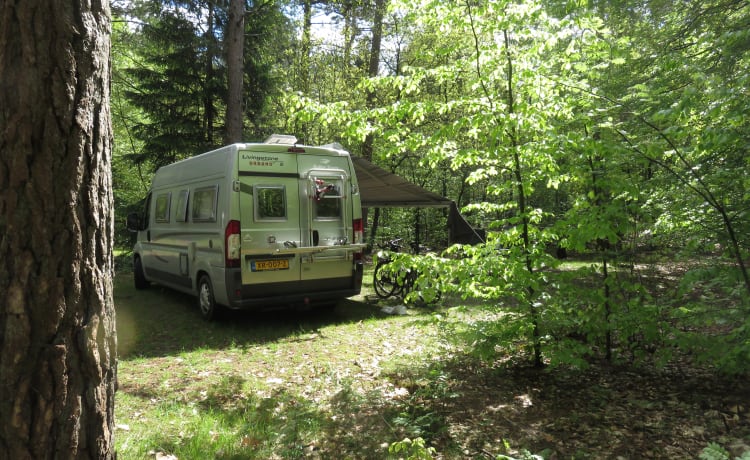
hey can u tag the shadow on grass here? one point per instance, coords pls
(161, 322)
(230, 421)
(465, 409)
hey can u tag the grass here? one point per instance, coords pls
(352, 382)
(285, 385)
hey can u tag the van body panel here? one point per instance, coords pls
(293, 207)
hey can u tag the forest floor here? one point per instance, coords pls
(350, 382)
(605, 412)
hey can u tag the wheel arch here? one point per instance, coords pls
(200, 273)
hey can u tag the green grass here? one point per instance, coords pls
(283, 385)
(351, 382)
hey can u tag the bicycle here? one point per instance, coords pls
(389, 283)
(384, 283)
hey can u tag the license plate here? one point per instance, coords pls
(268, 265)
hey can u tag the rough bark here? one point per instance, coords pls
(235, 69)
(57, 320)
(306, 46)
(209, 111)
(372, 69)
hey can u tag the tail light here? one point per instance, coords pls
(359, 230)
(358, 226)
(232, 244)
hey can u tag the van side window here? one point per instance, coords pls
(270, 202)
(204, 204)
(181, 211)
(163, 202)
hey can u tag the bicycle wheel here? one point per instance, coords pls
(383, 282)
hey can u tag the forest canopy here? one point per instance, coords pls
(615, 132)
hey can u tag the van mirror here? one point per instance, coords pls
(134, 222)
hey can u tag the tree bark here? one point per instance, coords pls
(518, 174)
(57, 320)
(209, 93)
(306, 47)
(235, 69)
(372, 70)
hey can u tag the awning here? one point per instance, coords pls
(379, 188)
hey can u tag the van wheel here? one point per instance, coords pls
(206, 299)
(140, 279)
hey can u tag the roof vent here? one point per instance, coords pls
(334, 146)
(280, 139)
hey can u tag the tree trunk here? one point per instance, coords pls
(235, 69)
(57, 320)
(372, 70)
(306, 47)
(522, 212)
(209, 112)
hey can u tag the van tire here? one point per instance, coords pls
(206, 300)
(138, 277)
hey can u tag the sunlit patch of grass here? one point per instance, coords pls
(349, 382)
(221, 425)
(261, 385)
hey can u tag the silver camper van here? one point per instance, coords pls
(253, 226)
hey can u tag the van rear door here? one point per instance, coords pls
(327, 219)
(296, 223)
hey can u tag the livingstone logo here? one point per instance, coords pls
(259, 160)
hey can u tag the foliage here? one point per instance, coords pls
(713, 325)
(414, 449)
(350, 381)
(715, 452)
(607, 130)
(176, 75)
(171, 90)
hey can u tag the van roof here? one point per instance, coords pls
(214, 163)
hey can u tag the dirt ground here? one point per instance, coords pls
(601, 413)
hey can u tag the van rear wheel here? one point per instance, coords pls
(206, 300)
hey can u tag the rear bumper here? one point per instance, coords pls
(272, 296)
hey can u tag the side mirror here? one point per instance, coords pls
(134, 222)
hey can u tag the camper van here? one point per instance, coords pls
(253, 226)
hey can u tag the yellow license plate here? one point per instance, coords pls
(267, 265)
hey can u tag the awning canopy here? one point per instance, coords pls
(379, 188)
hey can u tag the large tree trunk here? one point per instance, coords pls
(57, 320)
(372, 69)
(235, 69)
(306, 46)
(372, 72)
(209, 111)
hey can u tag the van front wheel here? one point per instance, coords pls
(206, 299)
(140, 279)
